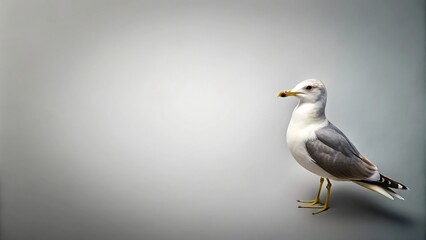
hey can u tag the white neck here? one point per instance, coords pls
(307, 113)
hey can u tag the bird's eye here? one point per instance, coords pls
(308, 87)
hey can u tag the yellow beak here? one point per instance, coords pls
(287, 93)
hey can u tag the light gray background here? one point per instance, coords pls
(159, 120)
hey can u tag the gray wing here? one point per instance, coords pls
(334, 153)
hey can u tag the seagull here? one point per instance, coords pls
(324, 150)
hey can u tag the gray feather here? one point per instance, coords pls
(334, 153)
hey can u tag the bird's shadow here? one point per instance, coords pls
(347, 203)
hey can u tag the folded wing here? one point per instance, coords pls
(334, 153)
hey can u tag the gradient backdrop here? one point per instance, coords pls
(158, 120)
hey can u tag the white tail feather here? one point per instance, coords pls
(395, 195)
(377, 189)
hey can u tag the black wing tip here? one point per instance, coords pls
(390, 183)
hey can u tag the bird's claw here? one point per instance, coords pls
(320, 211)
(313, 202)
(313, 205)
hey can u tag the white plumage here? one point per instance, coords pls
(320, 147)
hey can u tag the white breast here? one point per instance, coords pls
(300, 130)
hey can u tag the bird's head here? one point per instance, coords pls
(310, 90)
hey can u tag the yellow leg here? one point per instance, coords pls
(327, 198)
(314, 201)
